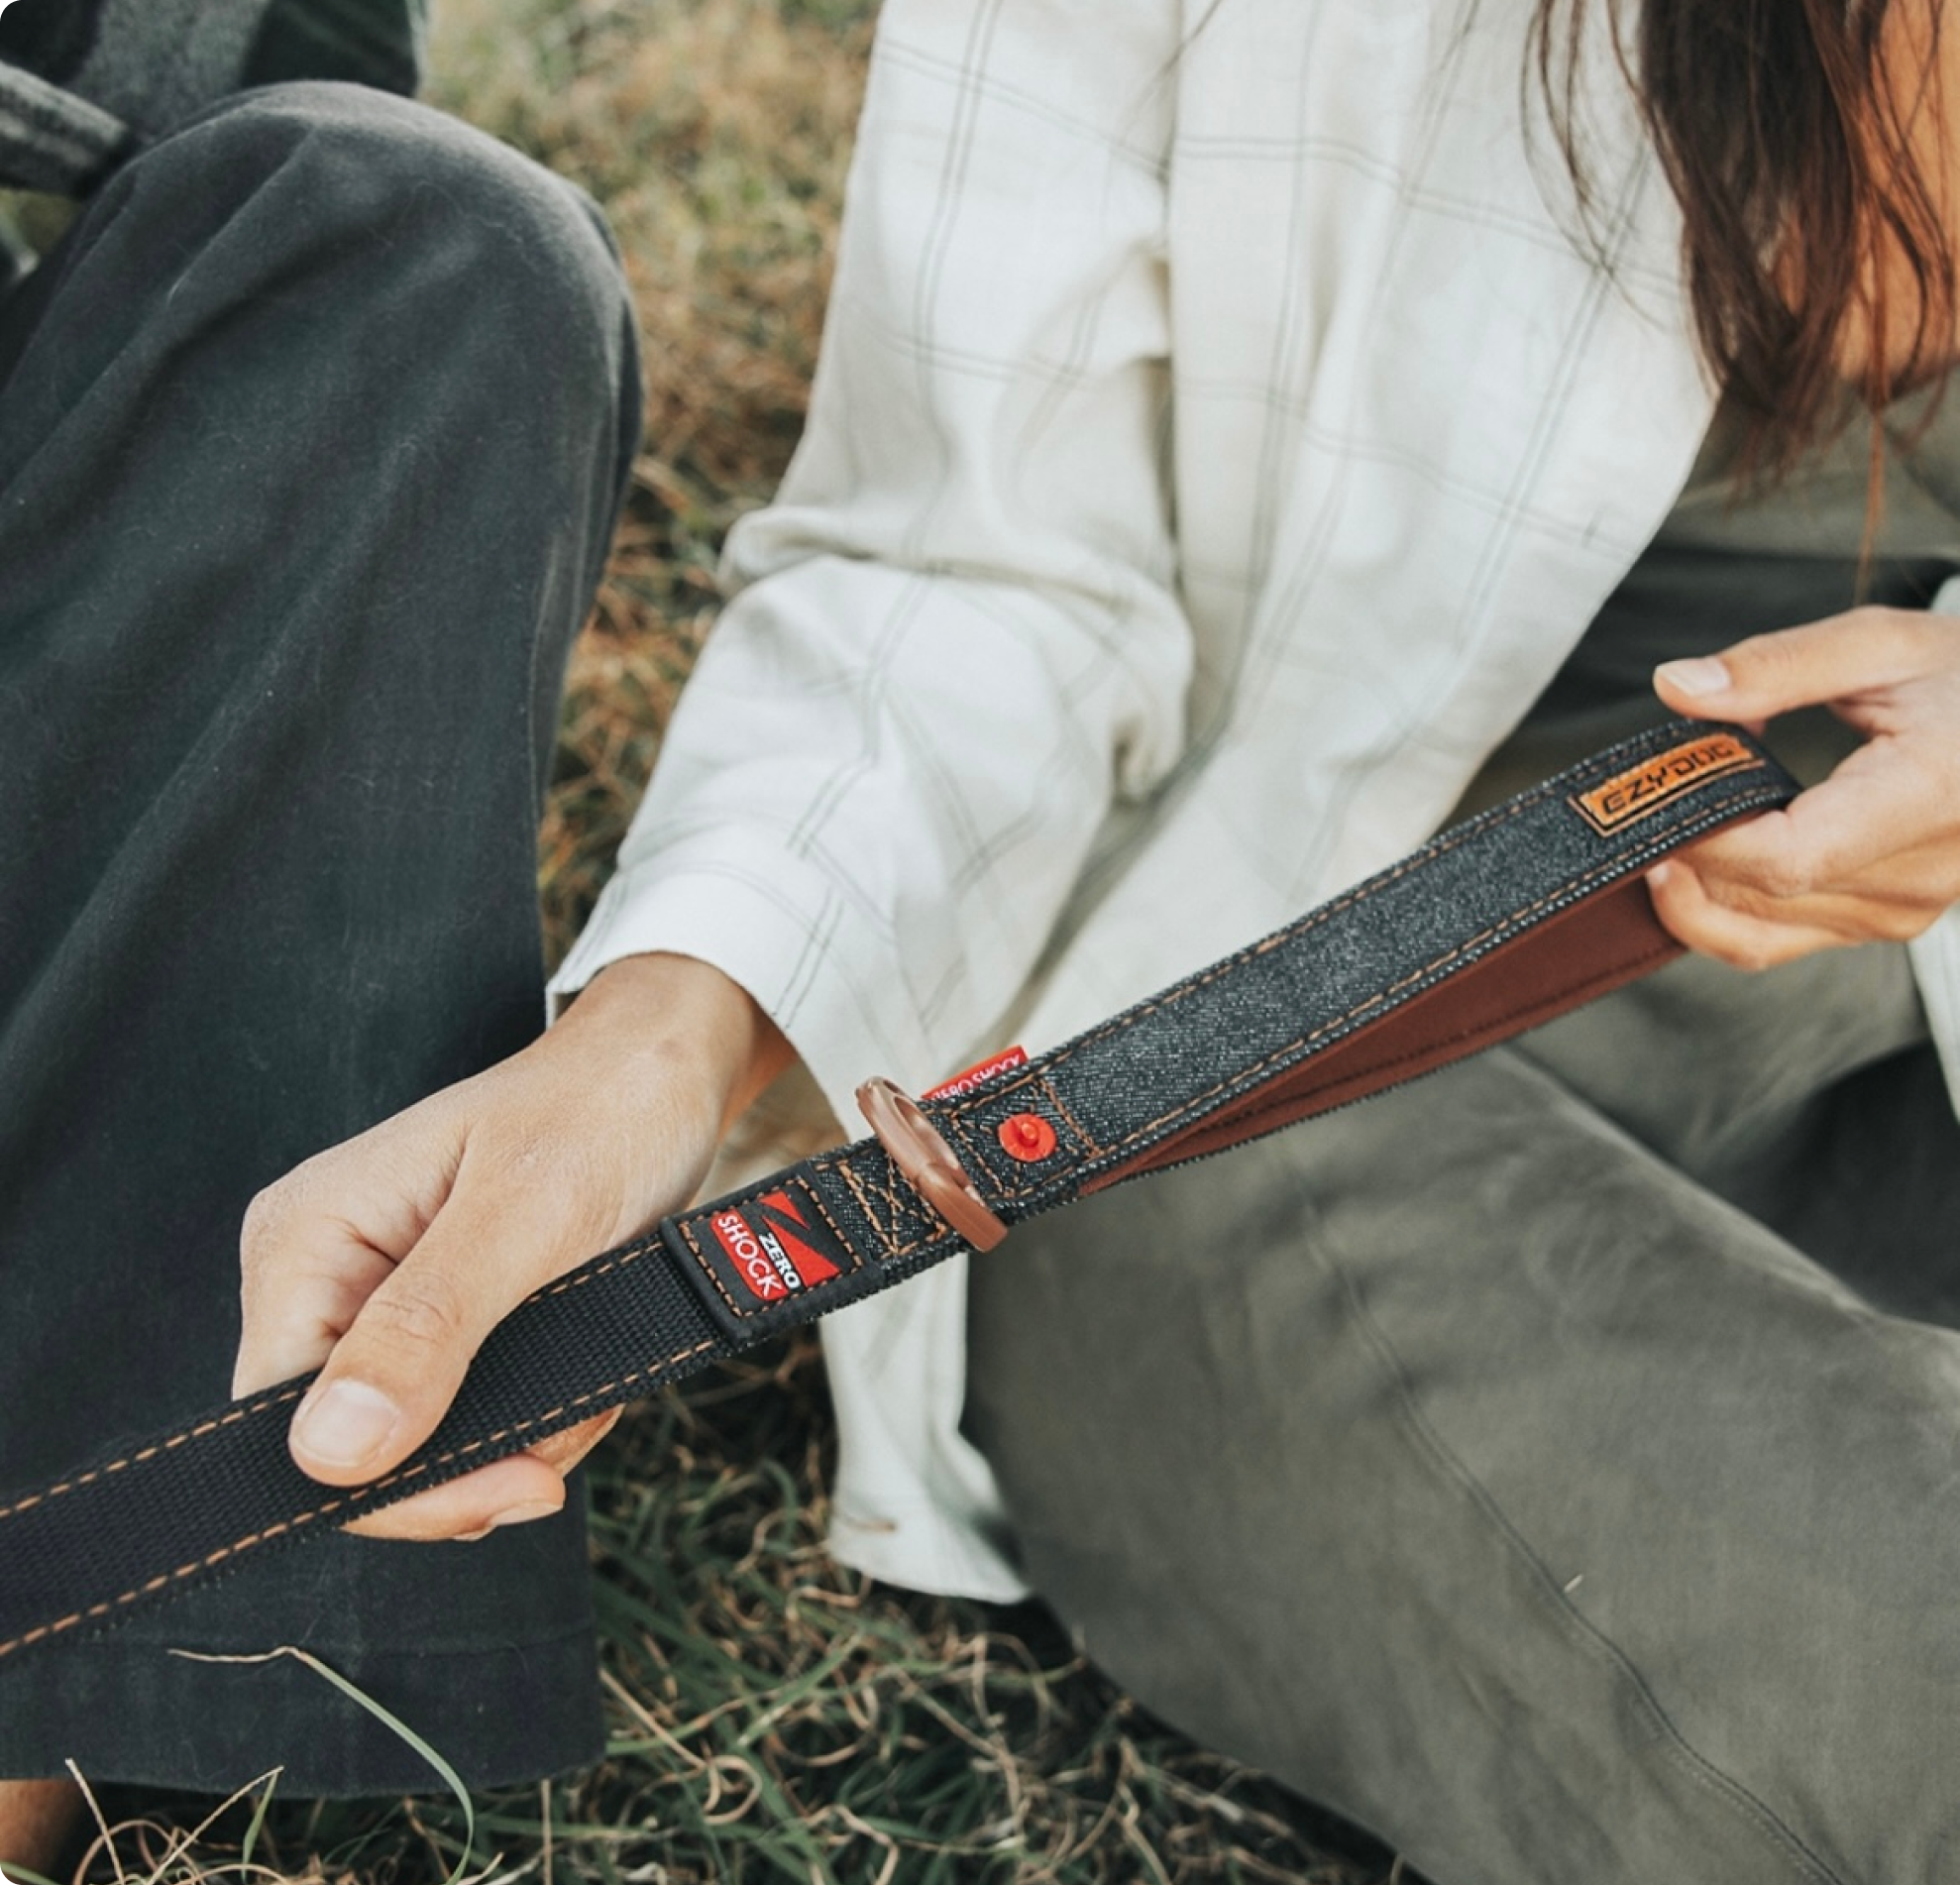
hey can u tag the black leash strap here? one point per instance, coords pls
(1501, 922)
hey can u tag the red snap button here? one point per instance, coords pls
(1026, 1136)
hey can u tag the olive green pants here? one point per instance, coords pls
(1554, 1463)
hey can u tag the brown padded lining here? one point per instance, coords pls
(1587, 950)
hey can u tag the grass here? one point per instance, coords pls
(772, 1715)
(776, 1718)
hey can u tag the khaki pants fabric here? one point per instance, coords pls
(1554, 1463)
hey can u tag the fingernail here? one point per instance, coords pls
(1703, 674)
(345, 1425)
(523, 1515)
(1660, 875)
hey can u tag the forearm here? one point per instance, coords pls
(675, 1020)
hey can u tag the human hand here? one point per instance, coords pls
(386, 1260)
(1873, 852)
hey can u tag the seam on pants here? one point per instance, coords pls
(1578, 1627)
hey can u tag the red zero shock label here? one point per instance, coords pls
(771, 1247)
(979, 1074)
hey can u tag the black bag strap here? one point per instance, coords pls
(1497, 925)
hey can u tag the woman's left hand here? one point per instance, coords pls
(1869, 854)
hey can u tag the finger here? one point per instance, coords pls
(291, 1330)
(511, 1491)
(508, 1226)
(1740, 938)
(563, 1451)
(314, 1245)
(1822, 661)
(1865, 834)
(1890, 899)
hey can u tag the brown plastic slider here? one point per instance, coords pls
(914, 1145)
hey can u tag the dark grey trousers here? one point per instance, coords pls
(1552, 1464)
(311, 436)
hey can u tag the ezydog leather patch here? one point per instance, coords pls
(1630, 795)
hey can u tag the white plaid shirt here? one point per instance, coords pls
(1219, 442)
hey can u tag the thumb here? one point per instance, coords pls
(394, 1371)
(1807, 666)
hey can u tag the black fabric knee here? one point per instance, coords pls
(311, 436)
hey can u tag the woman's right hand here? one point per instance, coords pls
(386, 1260)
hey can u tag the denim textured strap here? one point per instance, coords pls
(1500, 923)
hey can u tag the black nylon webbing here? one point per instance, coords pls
(1224, 1052)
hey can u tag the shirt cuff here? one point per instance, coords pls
(816, 963)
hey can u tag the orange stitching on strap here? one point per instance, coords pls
(702, 1264)
(824, 1211)
(137, 1458)
(231, 1415)
(1043, 1067)
(889, 1193)
(357, 1494)
(1574, 887)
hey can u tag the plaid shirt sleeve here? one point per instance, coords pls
(956, 648)
(957, 641)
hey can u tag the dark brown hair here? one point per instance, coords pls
(1793, 133)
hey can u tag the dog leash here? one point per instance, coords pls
(1498, 923)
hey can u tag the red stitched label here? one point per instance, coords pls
(772, 1247)
(979, 1074)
